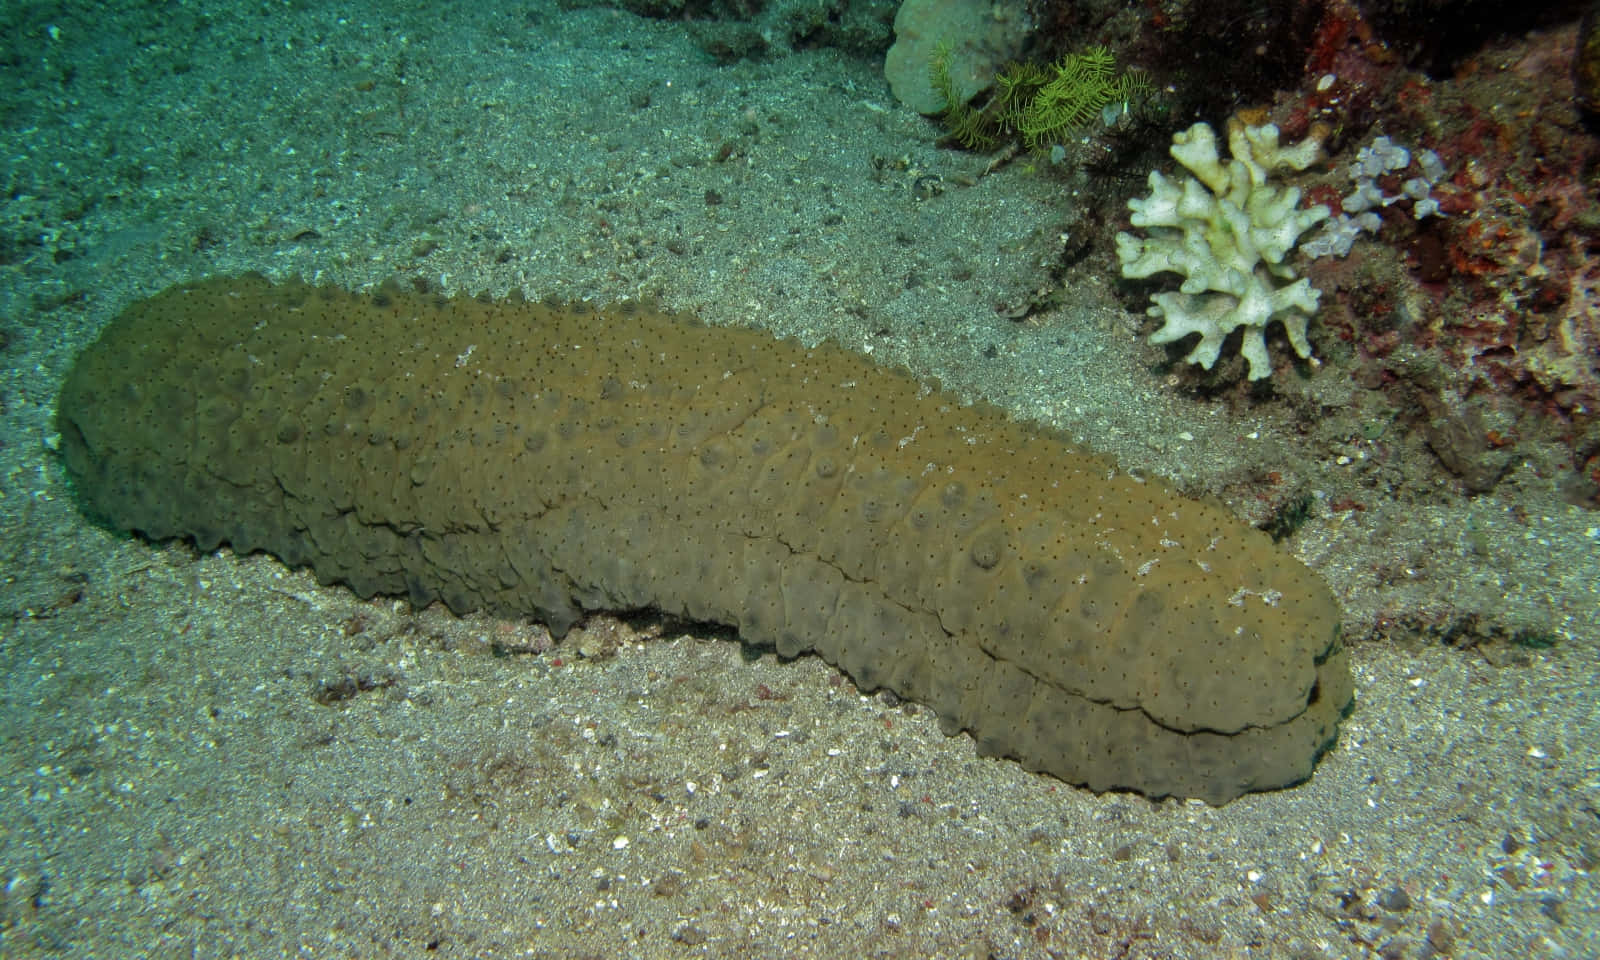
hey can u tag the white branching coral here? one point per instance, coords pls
(1227, 233)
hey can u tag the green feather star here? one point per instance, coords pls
(1041, 106)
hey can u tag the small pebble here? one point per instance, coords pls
(1441, 936)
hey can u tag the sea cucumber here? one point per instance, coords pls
(535, 459)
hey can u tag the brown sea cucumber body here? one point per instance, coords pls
(528, 459)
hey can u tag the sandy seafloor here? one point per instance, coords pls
(213, 756)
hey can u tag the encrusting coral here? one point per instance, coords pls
(1228, 233)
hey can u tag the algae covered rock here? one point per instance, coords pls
(981, 38)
